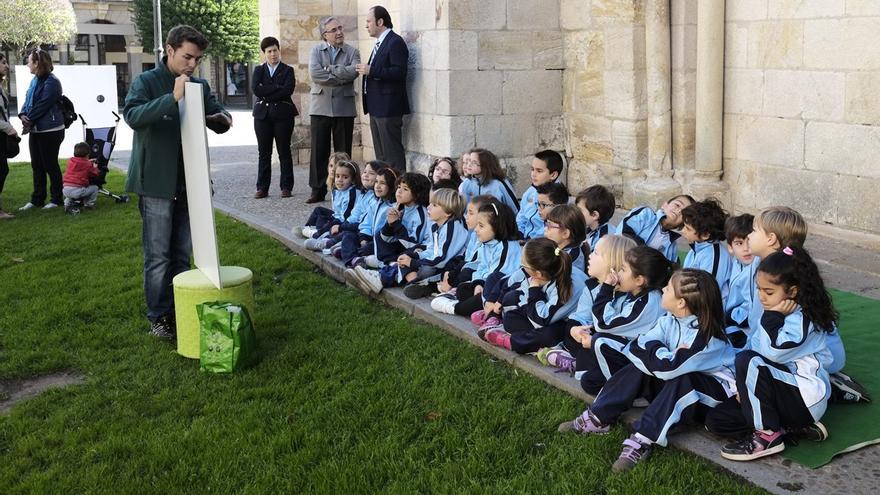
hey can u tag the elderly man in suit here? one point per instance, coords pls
(384, 88)
(332, 68)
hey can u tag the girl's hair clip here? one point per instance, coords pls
(787, 250)
(495, 208)
(557, 251)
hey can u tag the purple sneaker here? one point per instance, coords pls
(337, 253)
(633, 452)
(585, 423)
(562, 360)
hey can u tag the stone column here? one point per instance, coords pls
(658, 185)
(135, 61)
(710, 101)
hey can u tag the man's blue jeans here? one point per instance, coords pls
(167, 248)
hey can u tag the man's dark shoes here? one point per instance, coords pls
(260, 194)
(315, 199)
(164, 328)
(285, 193)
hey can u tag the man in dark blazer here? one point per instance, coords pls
(384, 88)
(332, 106)
(273, 83)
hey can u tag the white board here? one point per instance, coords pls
(198, 183)
(84, 85)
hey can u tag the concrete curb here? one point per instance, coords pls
(775, 474)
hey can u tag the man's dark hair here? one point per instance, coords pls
(183, 33)
(556, 191)
(738, 227)
(600, 199)
(81, 150)
(269, 41)
(380, 12)
(552, 159)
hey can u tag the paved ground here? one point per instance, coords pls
(849, 261)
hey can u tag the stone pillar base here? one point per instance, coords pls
(653, 191)
(702, 188)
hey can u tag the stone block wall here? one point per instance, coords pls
(802, 80)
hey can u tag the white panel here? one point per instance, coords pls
(198, 183)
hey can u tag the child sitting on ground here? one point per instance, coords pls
(462, 266)
(442, 172)
(365, 201)
(565, 225)
(488, 178)
(703, 228)
(546, 168)
(742, 275)
(335, 158)
(357, 246)
(597, 203)
(347, 188)
(656, 229)
(78, 177)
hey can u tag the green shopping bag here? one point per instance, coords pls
(226, 337)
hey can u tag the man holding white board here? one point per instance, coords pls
(156, 170)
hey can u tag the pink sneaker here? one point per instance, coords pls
(478, 317)
(492, 321)
(496, 336)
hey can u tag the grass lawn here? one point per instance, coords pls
(348, 397)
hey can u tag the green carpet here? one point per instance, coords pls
(850, 426)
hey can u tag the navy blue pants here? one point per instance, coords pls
(575, 348)
(468, 301)
(524, 337)
(684, 399)
(780, 403)
(603, 362)
(351, 246)
(320, 217)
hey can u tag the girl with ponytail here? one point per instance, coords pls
(534, 314)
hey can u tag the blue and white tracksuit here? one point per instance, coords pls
(501, 189)
(601, 231)
(497, 256)
(528, 220)
(712, 257)
(738, 303)
(445, 242)
(644, 223)
(680, 371)
(371, 224)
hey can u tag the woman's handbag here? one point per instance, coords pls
(11, 146)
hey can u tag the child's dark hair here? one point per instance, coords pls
(501, 218)
(353, 170)
(793, 266)
(569, 217)
(738, 227)
(454, 177)
(390, 176)
(490, 167)
(649, 263)
(419, 185)
(599, 199)
(690, 199)
(444, 184)
(481, 200)
(706, 217)
(552, 159)
(545, 256)
(701, 294)
(377, 165)
(81, 150)
(556, 191)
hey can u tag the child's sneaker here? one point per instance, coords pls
(633, 452)
(496, 336)
(754, 446)
(585, 423)
(815, 432)
(308, 231)
(372, 261)
(356, 281)
(845, 390)
(478, 317)
(444, 304)
(370, 278)
(337, 252)
(419, 290)
(315, 244)
(492, 321)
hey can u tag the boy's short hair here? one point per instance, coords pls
(81, 150)
(419, 185)
(738, 227)
(788, 225)
(182, 33)
(599, 199)
(269, 41)
(552, 159)
(450, 200)
(556, 191)
(706, 217)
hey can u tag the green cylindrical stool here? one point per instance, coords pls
(192, 288)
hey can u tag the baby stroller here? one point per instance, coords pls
(101, 140)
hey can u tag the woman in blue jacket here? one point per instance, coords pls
(41, 117)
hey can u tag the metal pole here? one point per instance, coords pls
(157, 30)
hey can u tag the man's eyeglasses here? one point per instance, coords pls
(337, 29)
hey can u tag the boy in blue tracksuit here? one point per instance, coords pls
(656, 229)
(546, 168)
(703, 228)
(738, 303)
(597, 203)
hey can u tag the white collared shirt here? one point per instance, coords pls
(272, 68)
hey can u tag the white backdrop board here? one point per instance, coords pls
(198, 183)
(84, 85)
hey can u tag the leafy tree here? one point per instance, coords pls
(230, 25)
(28, 23)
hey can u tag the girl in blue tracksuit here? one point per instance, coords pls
(498, 255)
(684, 365)
(656, 229)
(608, 257)
(348, 189)
(460, 268)
(565, 225)
(782, 377)
(357, 245)
(365, 202)
(546, 297)
(488, 178)
(407, 226)
(703, 228)
(619, 318)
